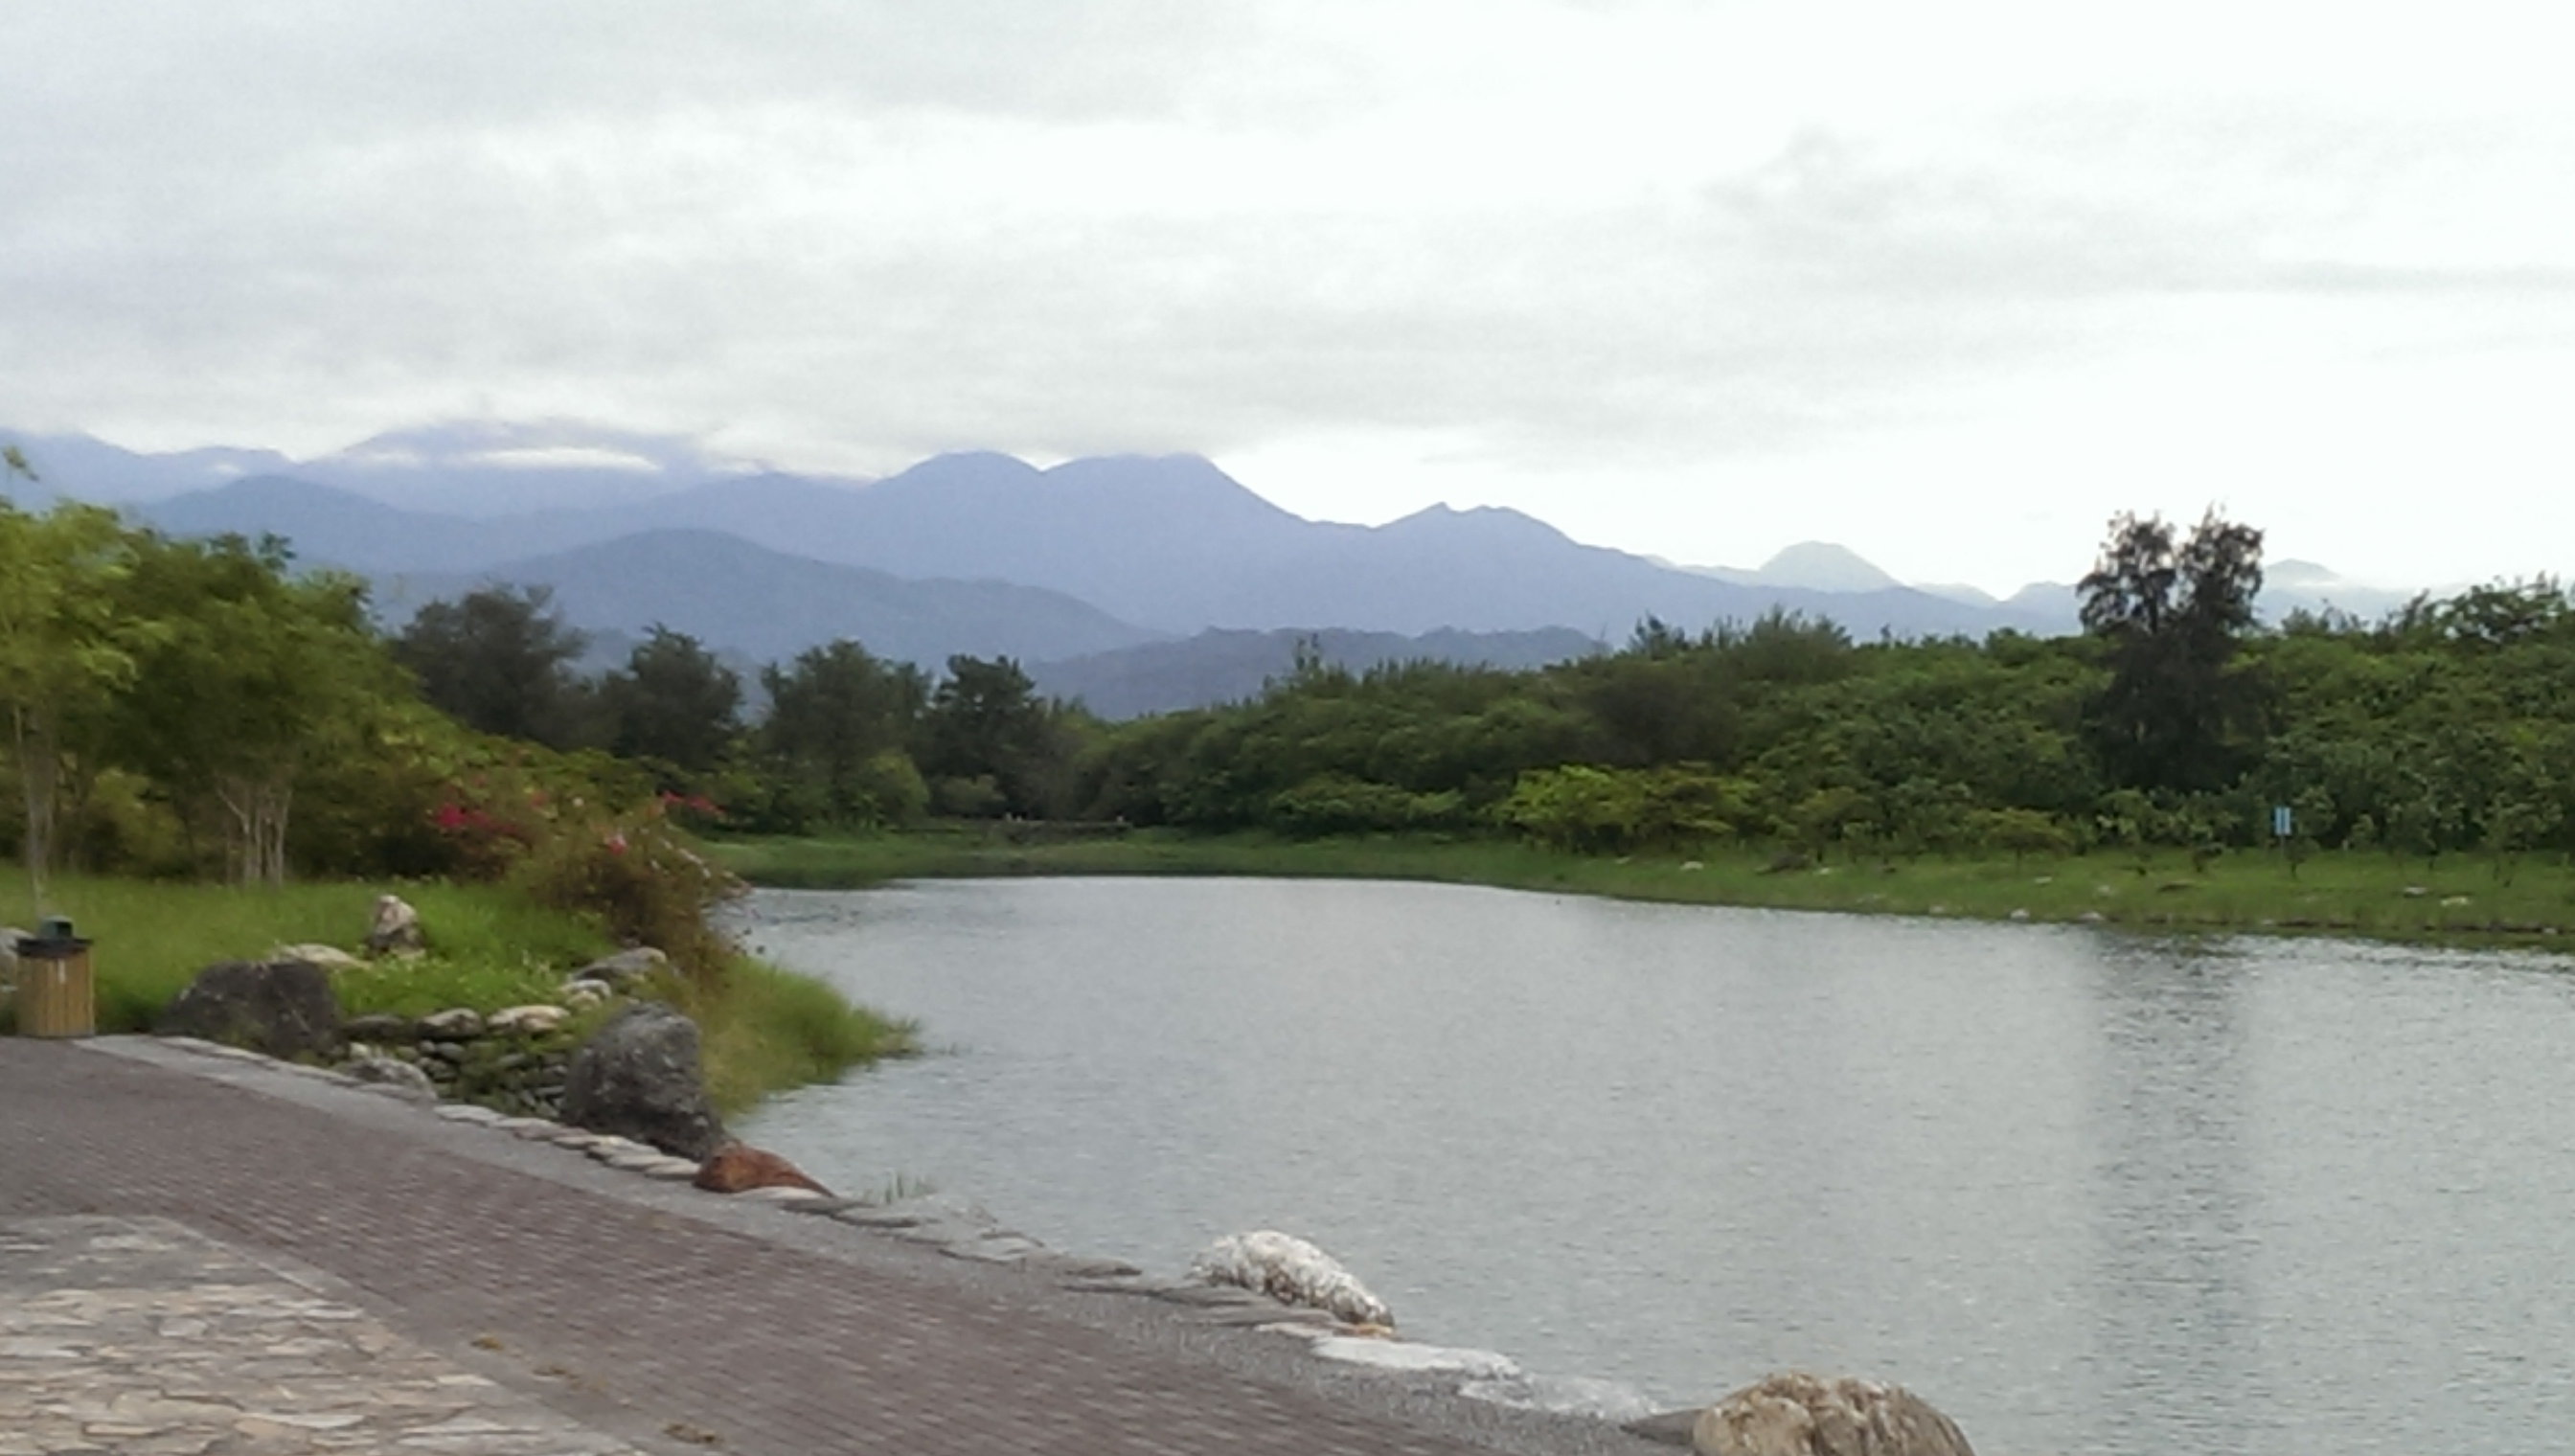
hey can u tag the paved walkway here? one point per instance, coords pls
(150, 1213)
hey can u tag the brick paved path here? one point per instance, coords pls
(675, 1334)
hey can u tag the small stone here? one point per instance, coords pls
(397, 1079)
(2021, 915)
(457, 1023)
(327, 958)
(380, 1029)
(462, 1112)
(529, 1020)
(781, 1194)
(738, 1168)
(626, 970)
(582, 992)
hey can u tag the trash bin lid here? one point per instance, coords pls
(53, 940)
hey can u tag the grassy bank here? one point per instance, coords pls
(765, 1029)
(2457, 899)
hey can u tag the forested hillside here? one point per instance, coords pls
(186, 705)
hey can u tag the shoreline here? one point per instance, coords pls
(2365, 896)
(949, 1243)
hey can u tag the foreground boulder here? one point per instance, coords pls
(1797, 1414)
(394, 929)
(281, 1007)
(1292, 1271)
(738, 1168)
(638, 1077)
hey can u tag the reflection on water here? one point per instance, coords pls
(2088, 1194)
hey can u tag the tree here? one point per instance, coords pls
(986, 722)
(833, 741)
(63, 649)
(253, 677)
(674, 703)
(500, 661)
(2176, 713)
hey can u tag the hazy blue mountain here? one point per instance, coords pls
(87, 469)
(1226, 667)
(1818, 565)
(1170, 544)
(331, 526)
(743, 599)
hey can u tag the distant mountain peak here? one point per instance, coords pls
(1821, 566)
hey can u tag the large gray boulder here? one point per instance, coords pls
(281, 1007)
(638, 1076)
(1796, 1414)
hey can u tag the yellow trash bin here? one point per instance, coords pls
(56, 994)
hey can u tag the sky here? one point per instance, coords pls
(1949, 284)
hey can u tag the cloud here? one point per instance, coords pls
(1529, 243)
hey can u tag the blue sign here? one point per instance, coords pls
(2282, 823)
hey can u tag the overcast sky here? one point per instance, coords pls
(1947, 283)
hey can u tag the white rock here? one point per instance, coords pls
(531, 1020)
(581, 992)
(329, 957)
(394, 927)
(1417, 1359)
(1287, 1268)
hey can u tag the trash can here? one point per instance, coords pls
(56, 995)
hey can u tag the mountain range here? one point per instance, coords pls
(1109, 572)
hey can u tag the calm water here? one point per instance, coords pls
(2088, 1194)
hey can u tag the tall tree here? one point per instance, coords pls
(674, 703)
(254, 678)
(2178, 714)
(500, 659)
(63, 647)
(833, 741)
(986, 721)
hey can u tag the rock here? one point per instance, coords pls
(456, 1024)
(400, 1077)
(282, 1008)
(330, 957)
(380, 1027)
(626, 970)
(580, 994)
(1291, 1270)
(1796, 1414)
(738, 1168)
(395, 928)
(531, 1021)
(638, 1077)
(1418, 1359)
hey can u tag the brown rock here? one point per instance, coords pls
(738, 1168)
(1796, 1414)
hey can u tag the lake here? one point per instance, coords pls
(2085, 1191)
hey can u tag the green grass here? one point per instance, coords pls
(2459, 899)
(764, 1029)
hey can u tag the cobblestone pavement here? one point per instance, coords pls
(143, 1336)
(657, 1329)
